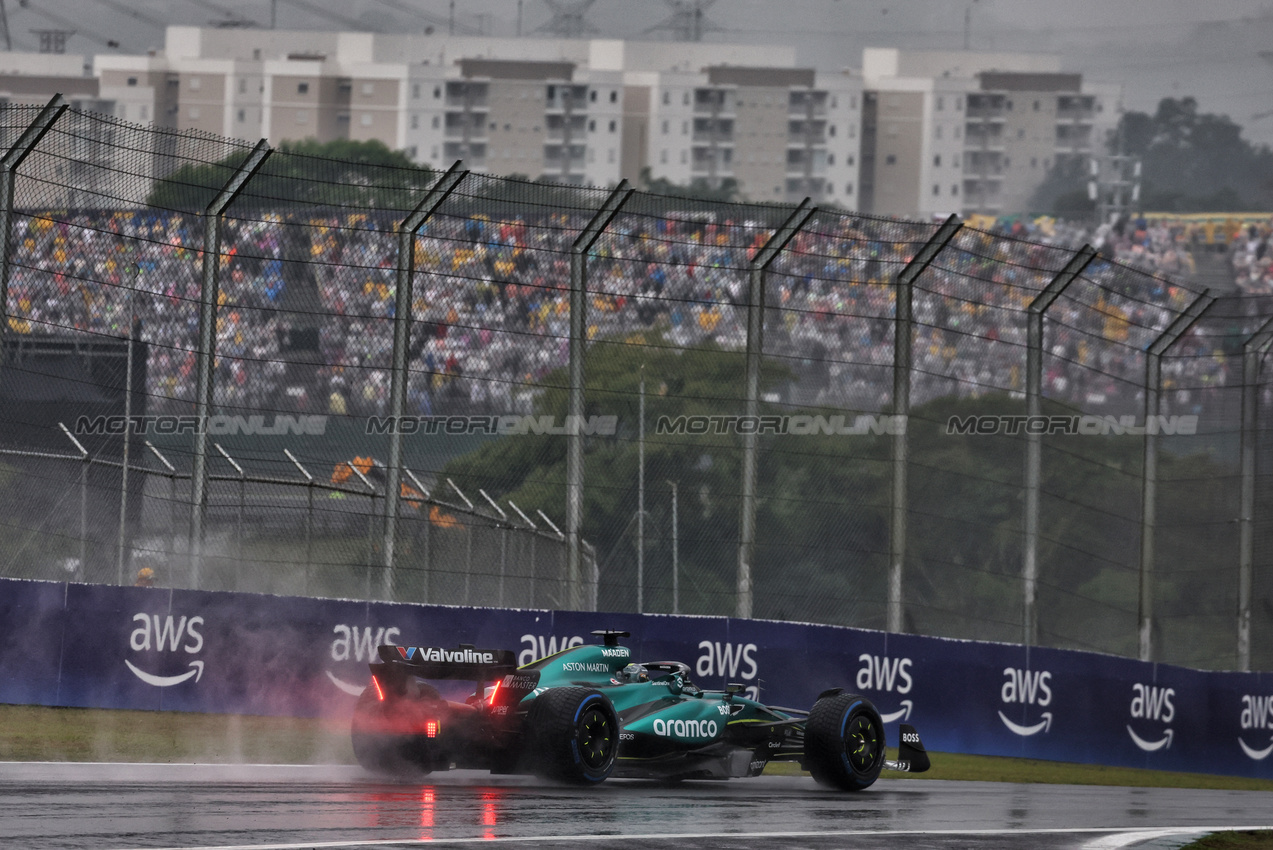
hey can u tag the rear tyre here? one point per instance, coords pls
(572, 735)
(383, 744)
(844, 742)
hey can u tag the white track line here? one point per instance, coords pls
(1117, 837)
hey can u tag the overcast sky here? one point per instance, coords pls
(1156, 48)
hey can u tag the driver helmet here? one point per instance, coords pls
(635, 673)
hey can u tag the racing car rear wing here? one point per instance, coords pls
(466, 662)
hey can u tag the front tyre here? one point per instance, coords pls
(572, 735)
(844, 742)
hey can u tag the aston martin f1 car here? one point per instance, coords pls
(590, 712)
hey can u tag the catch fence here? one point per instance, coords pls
(369, 379)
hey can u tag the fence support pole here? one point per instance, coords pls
(751, 396)
(1149, 474)
(575, 410)
(309, 512)
(399, 376)
(902, 408)
(1034, 441)
(172, 497)
(79, 447)
(206, 355)
(1253, 351)
(9, 163)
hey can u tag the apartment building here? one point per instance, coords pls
(972, 133)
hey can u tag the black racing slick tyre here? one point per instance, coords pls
(844, 742)
(381, 745)
(572, 735)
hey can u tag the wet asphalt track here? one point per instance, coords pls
(112, 807)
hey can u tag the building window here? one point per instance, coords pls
(256, 54)
(412, 152)
(830, 159)
(955, 160)
(853, 104)
(592, 126)
(132, 81)
(613, 126)
(848, 188)
(1036, 106)
(437, 93)
(937, 161)
(302, 88)
(890, 160)
(685, 99)
(368, 89)
(833, 104)
(243, 86)
(849, 160)
(941, 104)
(437, 122)
(936, 191)
(365, 120)
(1020, 132)
(302, 116)
(954, 188)
(243, 115)
(1007, 161)
(1008, 106)
(665, 126)
(614, 97)
(685, 128)
(195, 84)
(831, 131)
(415, 91)
(415, 122)
(667, 98)
(592, 95)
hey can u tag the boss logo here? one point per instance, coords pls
(910, 738)
(627, 736)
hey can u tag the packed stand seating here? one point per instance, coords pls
(472, 298)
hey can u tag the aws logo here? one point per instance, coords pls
(730, 661)
(539, 646)
(1150, 702)
(887, 674)
(360, 645)
(165, 634)
(1257, 713)
(1027, 687)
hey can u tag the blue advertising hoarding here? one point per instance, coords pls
(176, 650)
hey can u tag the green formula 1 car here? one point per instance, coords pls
(589, 712)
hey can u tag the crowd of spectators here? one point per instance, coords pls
(306, 304)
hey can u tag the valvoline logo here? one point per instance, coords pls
(166, 633)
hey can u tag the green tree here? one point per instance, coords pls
(306, 173)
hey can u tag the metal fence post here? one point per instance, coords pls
(206, 355)
(1034, 440)
(902, 408)
(238, 536)
(503, 542)
(1149, 474)
(172, 498)
(79, 447)
(756, 267)
(1253, 351)
(402, 306)
(9, 163)
(309, 513)
(427, 521)
(575, 410)
(534, 532)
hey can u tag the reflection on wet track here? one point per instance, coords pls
(262, 806)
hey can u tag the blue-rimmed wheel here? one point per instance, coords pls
(844, 742)
(572, 735)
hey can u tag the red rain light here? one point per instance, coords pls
(431, 729)
(494, 691)
(379, 691)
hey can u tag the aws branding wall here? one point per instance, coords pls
(144, 648)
